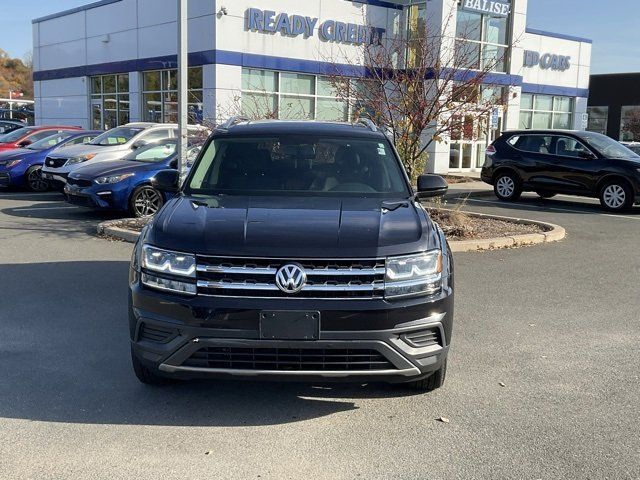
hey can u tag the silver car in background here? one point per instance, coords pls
(114, 144)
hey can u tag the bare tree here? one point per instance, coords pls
(422, 86)
(631, 124)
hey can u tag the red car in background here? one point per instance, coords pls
(25, 136)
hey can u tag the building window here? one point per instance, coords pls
(285, 95)
(160, 96)
(630, 124)
(481, 41)
(542, 112)
(598, 119)
(109, 101)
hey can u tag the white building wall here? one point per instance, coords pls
(139, 30)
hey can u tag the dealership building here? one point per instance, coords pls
(114, 61)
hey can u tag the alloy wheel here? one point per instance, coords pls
(147, 202)
(505, 186)
(614, 196)
(35, 180)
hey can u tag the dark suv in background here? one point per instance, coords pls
(570, 162)
(293, 250)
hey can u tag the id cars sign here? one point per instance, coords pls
(268, 21)
(547, 61)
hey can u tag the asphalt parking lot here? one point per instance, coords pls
(557, 325)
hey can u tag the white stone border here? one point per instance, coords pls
(553, 233)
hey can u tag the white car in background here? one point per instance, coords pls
(633, 146)
(113, 144)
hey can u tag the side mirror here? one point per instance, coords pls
(167, 181)
(173, 163)
(138, 144)
(25, 143)
(431, 186)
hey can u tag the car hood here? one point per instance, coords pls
(77, 150)
(293, 227)
(15, 153)
(114, 167)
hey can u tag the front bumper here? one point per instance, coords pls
(56, 180)
(5, 179)
(168, 331)
(101, 197)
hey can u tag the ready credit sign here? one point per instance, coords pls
(497, 8)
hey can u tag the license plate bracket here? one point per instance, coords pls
(289, 325)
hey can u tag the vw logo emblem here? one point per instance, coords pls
(291, 278)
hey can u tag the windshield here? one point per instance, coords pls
(116, 136)
(50, 141)
(608, 147)
(291, 165)
(15, 135)
(154, 153)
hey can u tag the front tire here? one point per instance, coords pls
(145, 374)
(432, 382)
(145, 201)
(35, 182)
(616, 196)
(507, 187)
(545, 194)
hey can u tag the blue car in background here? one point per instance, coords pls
(126, 184)
(22, 167)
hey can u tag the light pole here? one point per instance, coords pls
(183, 39)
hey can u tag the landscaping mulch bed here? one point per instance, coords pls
(135, 224)
(460, 226)
(454, 179)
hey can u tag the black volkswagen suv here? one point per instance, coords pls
(293, 250)
(549, 162)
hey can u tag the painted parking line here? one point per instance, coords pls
(38, 209)
(542, 209)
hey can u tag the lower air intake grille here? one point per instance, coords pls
(153, 333)
(423, 338)
(288, 359)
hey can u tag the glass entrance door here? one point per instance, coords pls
(97, 119)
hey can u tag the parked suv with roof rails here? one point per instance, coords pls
(293, 250)
(549, 162)
(114, 144)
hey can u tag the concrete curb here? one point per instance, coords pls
(109, 229)
(553, 233)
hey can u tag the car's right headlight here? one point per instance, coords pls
(413, 275)
(168, 270)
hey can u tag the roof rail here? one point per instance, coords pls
(365, 122)
(233, 121)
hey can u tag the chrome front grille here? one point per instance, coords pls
(55, 162)
(248, 277)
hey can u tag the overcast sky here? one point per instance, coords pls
(613, 25)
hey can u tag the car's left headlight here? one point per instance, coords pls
(12, 163)
(80, 159)
(413, 275)
(175, 271)
(113, 178)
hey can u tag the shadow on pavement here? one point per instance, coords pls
(64, 357)
(61, 219)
